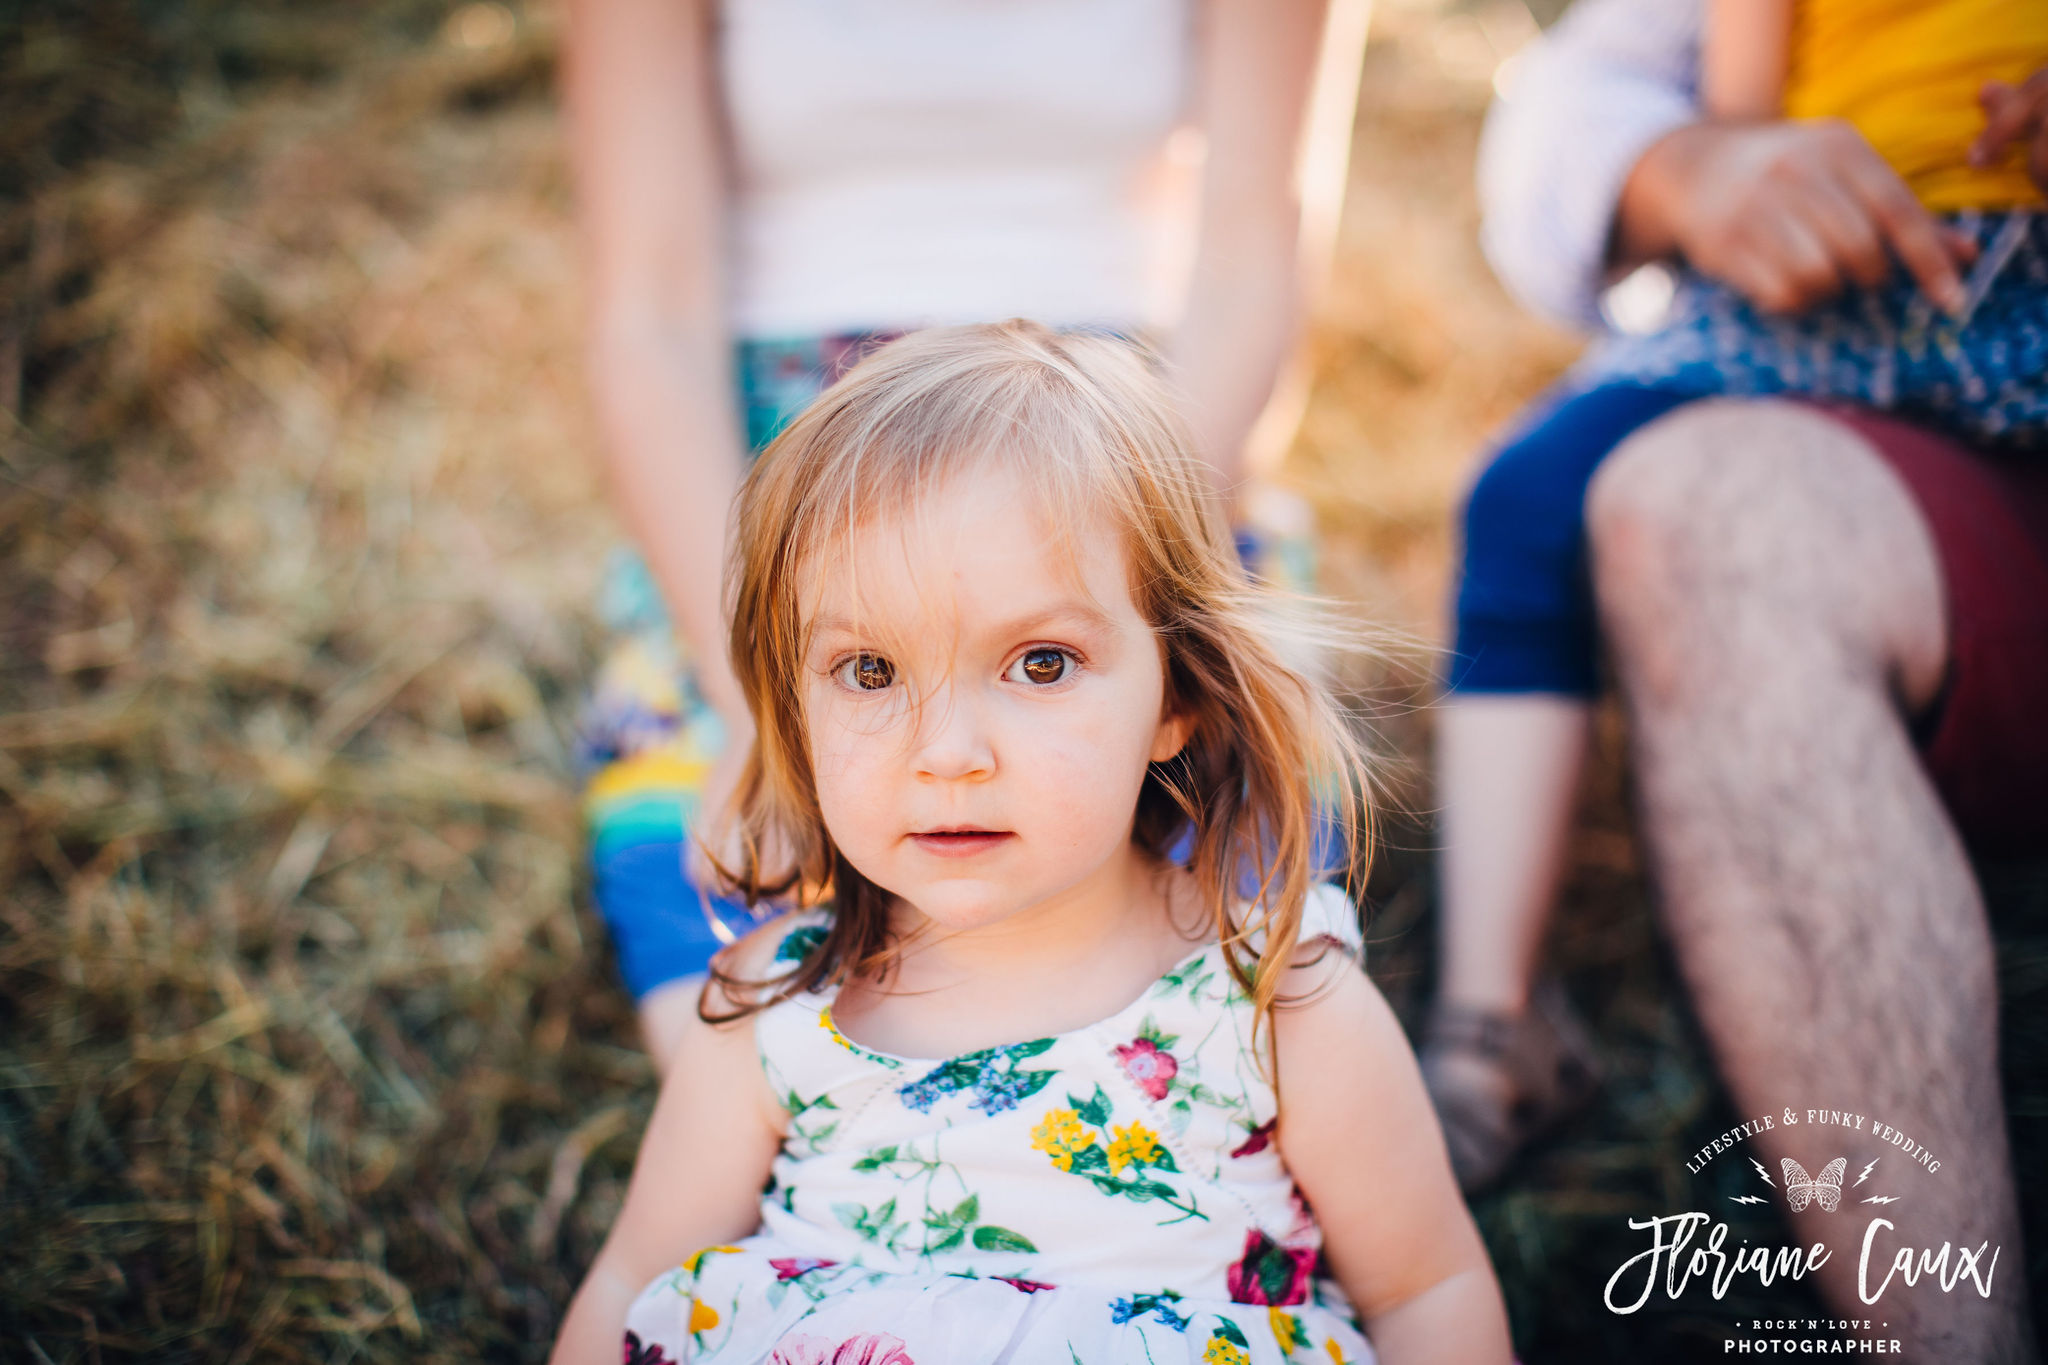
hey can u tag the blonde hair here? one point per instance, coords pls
(1092, 427)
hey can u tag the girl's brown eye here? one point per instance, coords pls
(867, 672)
(1042, 666)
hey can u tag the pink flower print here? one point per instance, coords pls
(789, 1267)
(870, 1348)
(1270, 1273)
(1260, 1138)
(1151, 1070)
(1024, 1286)
(635, 1353)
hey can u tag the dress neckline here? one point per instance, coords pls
(895, 1060)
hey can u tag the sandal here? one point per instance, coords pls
(1500, 1081)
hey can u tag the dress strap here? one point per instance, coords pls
(816, 1072)
(1329, 914)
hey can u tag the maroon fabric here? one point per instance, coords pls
(1987, 746)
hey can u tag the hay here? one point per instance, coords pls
(310, 1049)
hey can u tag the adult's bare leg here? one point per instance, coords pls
(1774, 606)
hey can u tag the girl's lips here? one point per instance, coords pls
(960, 843)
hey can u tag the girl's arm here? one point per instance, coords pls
(1743, 58)
(697, 1181)
(1276, 86)
(643, 127)
(1359, 1137)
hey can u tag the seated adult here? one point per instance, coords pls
(1830, 629)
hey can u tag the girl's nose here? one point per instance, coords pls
(953, 740)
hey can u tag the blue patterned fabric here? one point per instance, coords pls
(1982, 376)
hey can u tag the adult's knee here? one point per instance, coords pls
(1712, 497)
(1730, 514)
(1641, 505)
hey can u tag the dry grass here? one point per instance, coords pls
(308, 1050)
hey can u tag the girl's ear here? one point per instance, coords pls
(1175, 726)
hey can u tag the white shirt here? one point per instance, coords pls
(1580, 107)
(908, 162)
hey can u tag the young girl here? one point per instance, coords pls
(1040, 1084)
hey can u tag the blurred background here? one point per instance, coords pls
(310, 1047)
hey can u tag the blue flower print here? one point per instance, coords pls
(1159, 1306)
(992, 1075)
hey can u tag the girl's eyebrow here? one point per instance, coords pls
(1075, 611)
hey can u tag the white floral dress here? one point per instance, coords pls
(1110, 1196)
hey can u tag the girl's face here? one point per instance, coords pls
(981, 709)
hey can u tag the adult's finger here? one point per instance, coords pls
(1914, 234)
(1810, 267)
(1849, 233)
(1783, 266)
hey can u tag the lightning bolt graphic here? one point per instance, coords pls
(1882, 1199)
(1762, 1172)
(1747, 1199)
(1866, 1171)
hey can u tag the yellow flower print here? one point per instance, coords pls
(1330, 1345)
(1286, 1330)
(825, 1023)
(696, 1258)
(1222, 1352)
(703, 1317)
(1060, 1136)
(1133, 1144)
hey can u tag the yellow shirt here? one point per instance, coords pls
(1907, 73)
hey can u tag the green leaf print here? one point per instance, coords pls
(1191, 977)
(989, 1237)
(802, 1116)
(1232, 1333)
(1139, 1190)
(961, 1217)
(1095, 1109)
(876, 1225)
(1150, 1031)
(876, 1159)
(1025, 1084)
(797, 944)
(1091, 1158)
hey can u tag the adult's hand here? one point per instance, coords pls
(1786, 213)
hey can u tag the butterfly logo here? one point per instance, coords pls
(1824, 1189)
